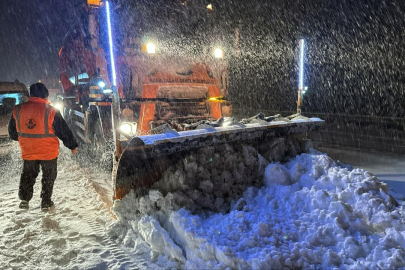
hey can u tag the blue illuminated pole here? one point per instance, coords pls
(115, 106)
(111, 45)
(301, 75)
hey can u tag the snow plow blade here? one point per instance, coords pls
(146, 158)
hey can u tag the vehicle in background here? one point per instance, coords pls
(55, 97)
(53, 94)
(11, 94)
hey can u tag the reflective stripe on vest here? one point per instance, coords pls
(26, 135)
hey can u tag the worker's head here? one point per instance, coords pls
(39, 90)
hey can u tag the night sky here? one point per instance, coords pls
(354, 59)
(31, 33)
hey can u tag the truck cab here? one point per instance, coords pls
(11, 94)
(159, 80)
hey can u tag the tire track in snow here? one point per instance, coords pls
(116, 256)
(120, 259)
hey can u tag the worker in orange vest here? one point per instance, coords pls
(36, 125)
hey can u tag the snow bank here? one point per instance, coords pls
(309, 212)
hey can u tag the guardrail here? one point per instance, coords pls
(362, 131)
(378, 133)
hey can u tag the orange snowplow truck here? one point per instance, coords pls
(142, 74)
(160, 79)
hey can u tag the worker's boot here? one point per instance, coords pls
(24, 204)
(46, 206)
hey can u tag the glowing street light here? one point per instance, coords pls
(301, 88)
(301, 80)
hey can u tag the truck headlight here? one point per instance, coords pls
(128, 128)
(59, 106)
(219, 53)
(150, 48)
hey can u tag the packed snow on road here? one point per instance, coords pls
(310, 212)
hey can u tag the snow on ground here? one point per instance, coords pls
(69, 237)
(388, 167)
(309, 213)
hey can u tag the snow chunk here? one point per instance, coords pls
(276, 174)
(158, 238)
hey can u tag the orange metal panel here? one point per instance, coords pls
(213, 91)
(150, 90)
(100, 103)
(147, 114)
(215, 107)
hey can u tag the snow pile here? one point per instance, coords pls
(309, 213)
(214, 178)
(210, 179)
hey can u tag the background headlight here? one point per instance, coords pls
(101, 84)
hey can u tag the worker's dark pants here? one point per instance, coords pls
(29, 175)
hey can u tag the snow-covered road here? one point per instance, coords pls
(69, 237)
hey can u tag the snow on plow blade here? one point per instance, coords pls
(146, 158)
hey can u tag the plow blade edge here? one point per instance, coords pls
(146, 158)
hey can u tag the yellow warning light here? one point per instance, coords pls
(209, 7)
(218, 99)
(94, 3)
